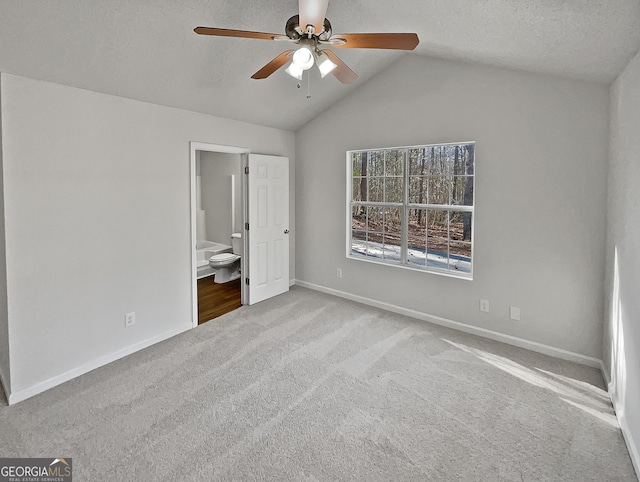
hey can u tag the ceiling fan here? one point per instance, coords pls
(310, 30)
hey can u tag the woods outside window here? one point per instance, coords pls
(413, 207)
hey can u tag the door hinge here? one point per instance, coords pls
(246, 226)
(247, 281)
(246, 170)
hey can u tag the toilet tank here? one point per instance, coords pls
(236, 243)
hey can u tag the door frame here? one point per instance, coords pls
(244, 155)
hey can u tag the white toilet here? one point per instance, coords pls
(226, 266)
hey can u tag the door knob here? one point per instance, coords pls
(286, 231)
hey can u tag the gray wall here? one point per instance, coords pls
(541, 161)
(97, 208)
(215, 169)
(5, 372)
(622, 309)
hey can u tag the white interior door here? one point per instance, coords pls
(268, 233)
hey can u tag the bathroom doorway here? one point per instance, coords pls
(263, 205)
(218, 215)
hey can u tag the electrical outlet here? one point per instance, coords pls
(339, 273)
(484, 306)
(129, 319)
(514, 313)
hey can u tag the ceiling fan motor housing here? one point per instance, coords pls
(294, 31)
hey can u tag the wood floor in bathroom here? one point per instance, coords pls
(217, 299)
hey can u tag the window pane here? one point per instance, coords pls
(468, 158)
(393, 164)
(459, 226)
(462, 190)
(437, 161)
(359, 218)
(460, 256)
(417, 237)
(359, 164)
(358, 247)
(417, 161)
(438, 190)
(392, 249)
(374, 249)
(358, 234)
(437, 242)
(417, 228)
(376, 163)
(437, 253)
(418, 190)
(392, 234)
(376, 189)
(453, 160)
(359, 185)
(457, 160)
(455, 225)
(394, 191)
(392, 221)
(437, 224)
(374, 219)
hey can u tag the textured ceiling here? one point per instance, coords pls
(146, 49)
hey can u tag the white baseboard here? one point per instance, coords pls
(628, 438)
(5, 387)
(605, 375)
(292, 282)
(475, 330)
(622, 421)
(23, 394)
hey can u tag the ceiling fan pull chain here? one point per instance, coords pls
(308, 85)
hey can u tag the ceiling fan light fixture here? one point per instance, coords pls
(303, 58)
(294, 71)
(324, 63)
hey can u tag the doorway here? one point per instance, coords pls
(217, 214)
(219, 221)
(258, 199)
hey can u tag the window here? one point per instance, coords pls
(413, 207)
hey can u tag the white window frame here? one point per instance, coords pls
(404, 207)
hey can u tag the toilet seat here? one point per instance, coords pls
(223, 258)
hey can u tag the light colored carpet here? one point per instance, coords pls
(307, 386)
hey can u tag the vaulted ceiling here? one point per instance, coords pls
(147, 50)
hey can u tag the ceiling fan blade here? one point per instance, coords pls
(313, 12)
(342, 72)
(225, 32)
(274, 65)
(396, 41)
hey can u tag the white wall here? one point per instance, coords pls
(215, 170)
(5, 372)
(622, 309)
(541, 160)
(97, 202)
